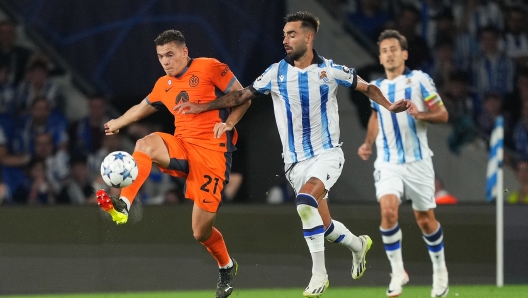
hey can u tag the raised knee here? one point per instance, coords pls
(389, 214)
(423, 222)
(146, 145)
(201, 236)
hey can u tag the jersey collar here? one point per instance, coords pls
(316, 59)
(185, 69)
(406, 71)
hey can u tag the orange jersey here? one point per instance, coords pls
(203, 80)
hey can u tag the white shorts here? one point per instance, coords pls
(414, 180)
(326, 166)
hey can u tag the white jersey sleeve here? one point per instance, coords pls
(343, 75)
(263, 83)
(428, 90)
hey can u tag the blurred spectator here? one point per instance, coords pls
(492, 109)
(6, 156)
(520, 134)
(443, 63)
(430, 10)
(282, 192)
(174, 196)
(464, 45)
(472, 15)
(516, 37)
(3, 192)
(38, 83)
(514, 101)
(406, 23)
(56, 160)
(369, 17)
(7, 91)
(36, 189)
(520, 196)
(41, 120)
(442, 196)
(87, 134)
(15, 56)
(459, 102)
(492, 69)
(78, 189)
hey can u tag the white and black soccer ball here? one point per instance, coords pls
(119, 169)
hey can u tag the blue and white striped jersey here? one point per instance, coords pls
(305, 104)
(401, 138)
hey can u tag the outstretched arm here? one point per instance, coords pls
(231, 99)
(135, 113)
(374, 93)
(236, 114)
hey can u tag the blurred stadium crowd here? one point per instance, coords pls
(47, 158)
(476, 51)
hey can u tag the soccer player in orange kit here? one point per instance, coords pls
(192, 152)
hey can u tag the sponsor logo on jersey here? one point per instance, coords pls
(183, 96)
(224, 72)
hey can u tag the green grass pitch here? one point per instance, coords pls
(509, 291)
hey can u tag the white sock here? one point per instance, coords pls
(392, 239)
(228, 265)
(127, 202)
(435, 245)
(313, 229)
(338, 233)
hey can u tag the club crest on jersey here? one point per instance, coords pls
(323, 76)
(169, 82)
(193, 81)
(409, 81)
(183, 96)
(281, 78)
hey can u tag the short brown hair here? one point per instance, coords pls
(169, 36)
(390, 33)
(308, 19)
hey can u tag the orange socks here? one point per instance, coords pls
(144, 163)
(217, 248)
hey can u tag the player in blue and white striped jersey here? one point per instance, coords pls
(403, 166)
(303, 87)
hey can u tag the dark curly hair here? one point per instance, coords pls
(309, 20)
(170, 36)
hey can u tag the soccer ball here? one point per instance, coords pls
(119, 169)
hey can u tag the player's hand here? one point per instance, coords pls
(400, 106)
(413, 110)
(365, 151)
(111, 127)
(189, 108)
(220, 128)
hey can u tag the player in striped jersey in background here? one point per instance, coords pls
(403, 166)
(303, 88)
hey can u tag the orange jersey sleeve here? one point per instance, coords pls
(155, 97)
(220, 74)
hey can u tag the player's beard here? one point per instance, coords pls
(298, 53)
